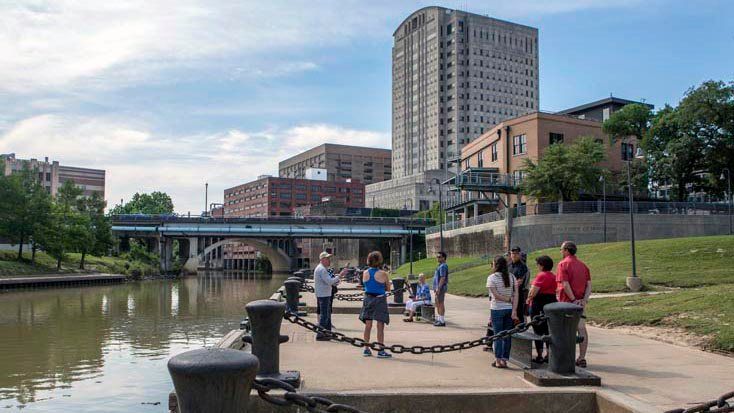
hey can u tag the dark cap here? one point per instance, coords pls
(515, 249)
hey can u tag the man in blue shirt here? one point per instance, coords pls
(440, 287)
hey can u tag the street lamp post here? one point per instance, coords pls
(410, 231)
(604, 203)
(440, 212)
(633, 283)
(729, 194)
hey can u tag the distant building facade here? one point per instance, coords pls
(341, 162)
(52, 175)
(455, 75)
(275, 196)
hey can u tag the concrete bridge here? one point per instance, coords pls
(202, 240)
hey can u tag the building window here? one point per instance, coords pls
(555, 138)
(519, 144)
(518, 176)
(493, 148)
(480, 159)
(627, 151)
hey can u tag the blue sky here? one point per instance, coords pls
(166, 95)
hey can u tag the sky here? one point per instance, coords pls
(168, 95)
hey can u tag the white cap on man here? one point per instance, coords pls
(324, 255)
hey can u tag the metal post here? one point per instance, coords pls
(398, 284)
(604, 204)
(292, 292)
(206, 198)
(728, 192)
(632, 218)
(265, 317)
(213, 380)
(440, 215)
(563, 322)
(410, 232)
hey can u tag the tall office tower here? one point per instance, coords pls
(455, 75)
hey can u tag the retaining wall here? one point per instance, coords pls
(534, 232)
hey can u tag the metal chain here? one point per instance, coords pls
(292, 397)
(355, 296)
(723, 404)
(399, 348)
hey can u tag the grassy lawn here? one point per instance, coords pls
(45, 264)
(702, 267)
(706, 311)
(428, 265)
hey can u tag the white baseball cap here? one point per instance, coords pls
(324, 255)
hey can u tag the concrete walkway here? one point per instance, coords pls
(641, 370)
(53, 279)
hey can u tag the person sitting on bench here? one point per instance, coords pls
(422, 297)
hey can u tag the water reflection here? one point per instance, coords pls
(104, 348)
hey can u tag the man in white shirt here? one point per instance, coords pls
(323, 281)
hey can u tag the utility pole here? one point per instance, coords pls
(206, 198)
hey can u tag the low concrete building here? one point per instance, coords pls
(414, 192)
(52, 175)
(341, 162)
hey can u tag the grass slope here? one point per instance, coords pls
(45, 264)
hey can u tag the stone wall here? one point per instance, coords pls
(536, 232)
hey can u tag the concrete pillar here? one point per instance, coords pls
(466, 212)
(193, 247)
(166, 248)
(476, 209)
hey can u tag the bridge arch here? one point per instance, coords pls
(279, 259)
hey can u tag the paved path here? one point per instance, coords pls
(659, 374)
(48, 279)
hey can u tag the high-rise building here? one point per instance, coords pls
(341, 162)
(455, 75)
(52, 175)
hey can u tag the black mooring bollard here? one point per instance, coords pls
(266, 317)
(563, 322)
(292, 292)
(213, 380)
(397, 285)
(414, 288)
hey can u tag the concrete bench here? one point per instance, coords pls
(521, 353)
(426, 312)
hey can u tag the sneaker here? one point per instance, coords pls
(383, 355)
(367, 353)
(323, 338)
(439, 324)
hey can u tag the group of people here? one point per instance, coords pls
(511, 300)
(512, 296)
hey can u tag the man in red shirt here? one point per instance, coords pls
(574, 286)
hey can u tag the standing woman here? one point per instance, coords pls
(503, 292)
(542, 292)
(374, 306)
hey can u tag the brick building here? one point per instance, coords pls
(504, 149)
(274, 196)
(341, 162)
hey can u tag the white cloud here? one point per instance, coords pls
(62, 45)
(137, 160)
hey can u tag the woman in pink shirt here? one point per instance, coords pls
(542, 292)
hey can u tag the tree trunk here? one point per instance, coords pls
(20, 248)
(681, 191)
(33, 253)
(81, 262)
(58, 263)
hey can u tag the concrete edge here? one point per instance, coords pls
(625, 401)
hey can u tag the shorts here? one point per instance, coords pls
(441, 295)
(374, 307)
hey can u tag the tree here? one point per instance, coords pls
(631, 120)
(24, 205)
(68, 229)
(98, 236)
(153, 203)
(706, 117)
(564, 171)
(674, 156)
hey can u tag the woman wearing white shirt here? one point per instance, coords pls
(503, 305)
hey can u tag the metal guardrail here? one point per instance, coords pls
(489, 179)
(593, 207)
(294, 220)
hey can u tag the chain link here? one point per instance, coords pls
(723, 404)
(400, 348)
(291, 397)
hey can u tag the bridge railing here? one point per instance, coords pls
(294, 220)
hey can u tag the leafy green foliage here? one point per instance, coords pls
(153, 203)
(632, 120)
(565, 171)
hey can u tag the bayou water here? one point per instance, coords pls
(105, 348)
